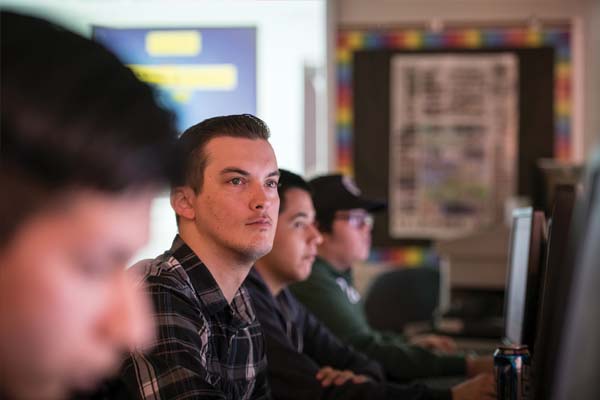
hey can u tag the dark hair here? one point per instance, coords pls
(72, 116)
(324, 221)
(288, 180)
(193, 141)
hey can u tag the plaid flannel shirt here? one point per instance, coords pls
(205, 348)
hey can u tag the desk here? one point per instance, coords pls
(477, 345)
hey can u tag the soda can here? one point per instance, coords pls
(512, 365)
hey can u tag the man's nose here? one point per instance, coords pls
(316, 236)
(262, 197)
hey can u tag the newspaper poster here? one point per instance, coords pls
(454, 122)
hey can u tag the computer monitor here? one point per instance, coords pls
(578, 361)
(525, 256)
(555, 278)
(556, 249)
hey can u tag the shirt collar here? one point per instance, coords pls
(208, 291)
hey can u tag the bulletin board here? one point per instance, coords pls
(453, 122)
(368, 53)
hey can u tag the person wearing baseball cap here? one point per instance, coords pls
(306, 360)
(344, 219)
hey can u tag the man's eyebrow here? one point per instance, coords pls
(234, 170)
(300, 214)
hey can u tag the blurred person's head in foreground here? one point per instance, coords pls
(344, 219)
(84, 148)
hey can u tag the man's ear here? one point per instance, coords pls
(182, 201)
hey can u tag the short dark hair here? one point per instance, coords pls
(288, 180)
(73, 116)
(325, 221)
(193, 141)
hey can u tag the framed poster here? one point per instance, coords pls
(363, 83)
(453, 133)
(199, 72)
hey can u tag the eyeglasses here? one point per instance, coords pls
(356, 220)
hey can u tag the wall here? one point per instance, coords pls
(293, 34)
(583, 14)
(290, 37)
(592, 73)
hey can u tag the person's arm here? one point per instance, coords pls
(433, 342)
(327, 349)
(400, 360)
(330, 376)
(293, 374)
(175, 365)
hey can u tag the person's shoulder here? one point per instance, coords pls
(296, 307)
(260, 296)
(254, 281)
(315, 289)
(321, 270)
(320, 278)
(163, 272)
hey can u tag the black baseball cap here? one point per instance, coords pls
(337, 192)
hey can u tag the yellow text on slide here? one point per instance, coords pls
(189, 76)
(174, 43)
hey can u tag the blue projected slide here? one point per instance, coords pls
(200, 73)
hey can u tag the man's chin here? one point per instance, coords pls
(255, 251)
(262, 251)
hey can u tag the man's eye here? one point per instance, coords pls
(272, 184)
(236, 181)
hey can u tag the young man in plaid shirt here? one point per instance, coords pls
(210, 344)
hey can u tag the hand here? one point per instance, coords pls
(482, 387)
(479, 365)
(434, 342)
(328, 376)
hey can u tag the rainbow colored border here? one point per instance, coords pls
(350, 40)
(405, 256)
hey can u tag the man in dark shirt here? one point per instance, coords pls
(209, 342)
(305, 360)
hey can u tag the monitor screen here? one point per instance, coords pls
(578, 360)
(555, 280)
(522, 284)
(519, 254)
